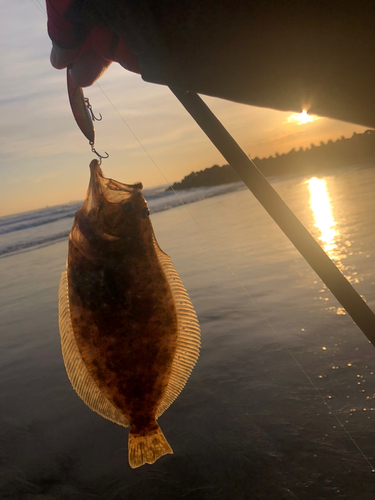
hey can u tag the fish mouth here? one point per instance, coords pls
(112, 191)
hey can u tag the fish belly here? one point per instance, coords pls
(125, 325)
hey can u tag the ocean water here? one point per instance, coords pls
(281, 404)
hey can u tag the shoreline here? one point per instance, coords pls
(359, 149)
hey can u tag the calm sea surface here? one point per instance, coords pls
(282, 402)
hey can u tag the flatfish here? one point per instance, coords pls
(129, 334)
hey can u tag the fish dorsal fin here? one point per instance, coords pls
(188, 335)
(78, 374)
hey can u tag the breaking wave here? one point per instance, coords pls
(27, 230)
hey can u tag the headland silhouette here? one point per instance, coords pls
(314, 160)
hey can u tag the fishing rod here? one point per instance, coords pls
(310, 250)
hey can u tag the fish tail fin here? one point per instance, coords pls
(147, 448)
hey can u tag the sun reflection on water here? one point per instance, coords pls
(321, 207)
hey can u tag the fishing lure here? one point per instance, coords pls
(83, 113)
(129, 334)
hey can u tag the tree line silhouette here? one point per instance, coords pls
(310, 161)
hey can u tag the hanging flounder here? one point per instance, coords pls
(129, 334)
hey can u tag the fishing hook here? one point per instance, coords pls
(89, 107)
(101, 157)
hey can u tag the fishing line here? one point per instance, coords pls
(145, 150)
(40, 7)
(241, 285)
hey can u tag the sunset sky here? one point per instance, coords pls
(45, 158)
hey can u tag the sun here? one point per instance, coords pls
(302, 118)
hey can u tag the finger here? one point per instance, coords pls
(89, 67)
(62, 58)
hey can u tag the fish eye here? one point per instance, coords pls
(127, 207)
(145, 212)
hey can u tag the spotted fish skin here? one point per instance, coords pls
(124, 323)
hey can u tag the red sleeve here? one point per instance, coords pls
(62, 30)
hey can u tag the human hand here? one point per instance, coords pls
(85, 68)
(81, 44)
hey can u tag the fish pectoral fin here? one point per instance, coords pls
(147, 449)
(78, 374)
